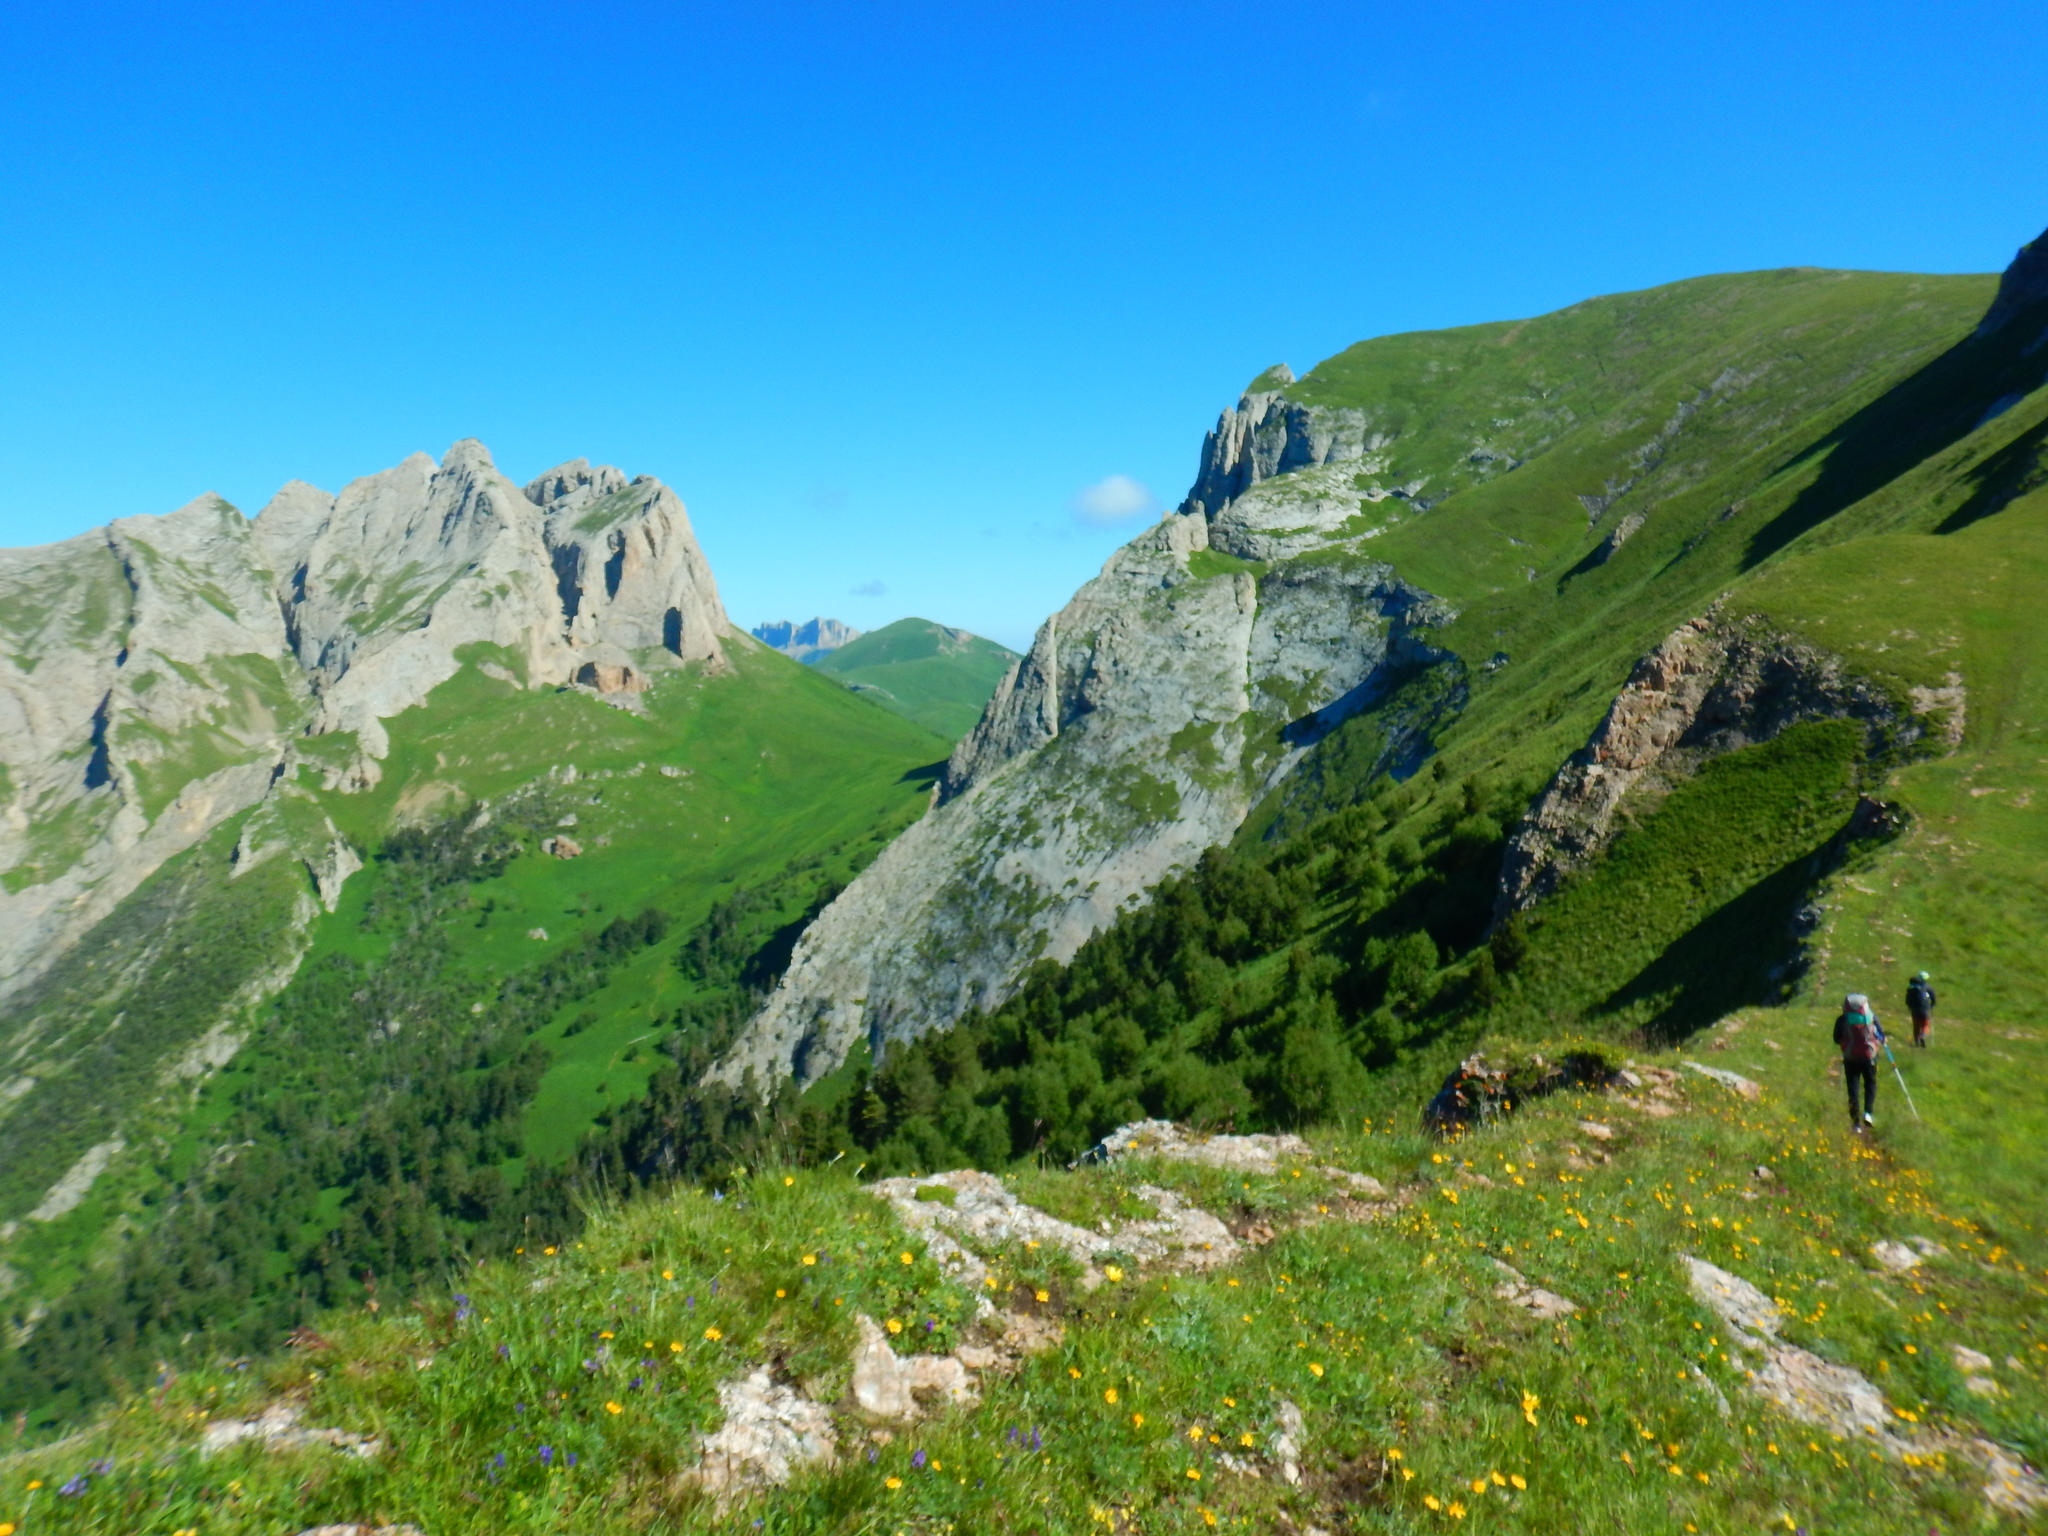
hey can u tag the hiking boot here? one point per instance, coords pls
(1869, 1124)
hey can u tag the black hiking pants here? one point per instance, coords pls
(1864, 1072)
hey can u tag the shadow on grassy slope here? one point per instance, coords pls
(1909, 424)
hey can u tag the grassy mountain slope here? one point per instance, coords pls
(463, 955)
(1873, 489)
(938, 677)
(565, 1390)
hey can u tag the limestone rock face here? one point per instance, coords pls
(1713, 686)
(1149, 716)
(157, 673)
(1267, 435)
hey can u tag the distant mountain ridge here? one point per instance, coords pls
(936, 675)
(806, 641)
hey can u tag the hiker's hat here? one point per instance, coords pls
(1919, 975)
(1857, 1001)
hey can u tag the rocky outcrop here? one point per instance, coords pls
(2023, 286)
(1713, 686)
(1844, 1402)
(806, 641)
(1149, 716)
(771, 1432)
(157, 674)
(1268, 435)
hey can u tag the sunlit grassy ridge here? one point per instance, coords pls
(938, 677)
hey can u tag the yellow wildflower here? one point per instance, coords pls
(1109, 1394)
(1195, 1432)
(893, 1483)
(787, 1181)
(1071, 1371)
(1479, 1485)
(780, 1293)
(906, 1258)
(1137, 1421)
(713, 1335)
(1194, 1474)
(1519, 1481)
(548, 1251)
(1246, 1439)
(894, 1326)
(1314, 1369)
(606, 1334)
(1498, 1480)
(1112, 1272)
(675, 1346)
(668, 1274)
(1394, 1454)
(1455, 1510)
(613, 1408)
(810, 1258)
(1431, 1500)
(1043, 1295)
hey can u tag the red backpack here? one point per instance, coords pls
(1859, 1037)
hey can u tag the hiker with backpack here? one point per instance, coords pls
(1920, 1004)
(1859, 1036)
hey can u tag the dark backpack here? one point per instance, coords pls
(1859, 1037)
(1920, 999)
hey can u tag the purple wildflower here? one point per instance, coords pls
(917, 1458)
(547, 1455)
(519, 1407)
(498, 1460)
(572, 1458)
(1036, 1443)
(78, 1484)
(504, 1351)
(462, 1309)
(102, 1468)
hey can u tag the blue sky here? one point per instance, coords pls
(885, 290)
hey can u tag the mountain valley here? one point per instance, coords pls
(611, 1073)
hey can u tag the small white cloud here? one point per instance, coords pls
(1113, 499)
(870, 589)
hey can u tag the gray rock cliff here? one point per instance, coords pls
(1148, 718)
(156, 674)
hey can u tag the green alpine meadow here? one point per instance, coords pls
(1345, 1032)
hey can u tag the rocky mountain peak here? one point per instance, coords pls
(324, 615)
(577, 482)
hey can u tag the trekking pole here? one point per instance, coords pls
(1888, 1056)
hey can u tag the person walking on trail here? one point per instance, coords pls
(1859, 1036)
(1920, 1004)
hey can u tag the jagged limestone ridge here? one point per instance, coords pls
(157, 675)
